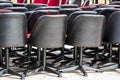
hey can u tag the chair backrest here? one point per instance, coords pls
(19, 4)
(17, 9)
(78, 2)
(112, 28)
(68, 11)
(4, 5)
(107, 12)
(69, 6)
(54, 2)
(32, 7)
(48, 8)
(87, 31)
(115, 3)
(72, 17)
(40, 1)
(6, 1)
(35, 16)
(49, 32)
(12, 29)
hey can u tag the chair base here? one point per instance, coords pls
(10, 71)
(110, 67)
(61, 58)
(77, 67)
(47, 69)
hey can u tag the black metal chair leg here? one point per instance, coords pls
(119, 55)
(7, 69)
(27, 73)
(83, 70)
(44, 67)
(3, 71)
(48, 69)
(10, 71)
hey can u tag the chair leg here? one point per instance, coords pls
(1, 58)
(44, 67)
(119, 55)
(108, 60)
(7, 69)
(79, 66)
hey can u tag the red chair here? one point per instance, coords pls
(54, 2)
(64, 2)
(41, 1)
(20, 1)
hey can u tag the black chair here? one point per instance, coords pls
(17, 9)
(99, 10)
(12, 34)
(107, 6)
(72, 17)
(111, 36)
(103, 57)
(115, 3)
(28, 13)
(69, 6)
(35, 15)
(32, 19)
(6, 2)
(32, 7)
(84, 35)
(19, 5)
(1, 55)
(4, 5)
(49, 32)
(48, 8)
(69, 28)
(68, 11)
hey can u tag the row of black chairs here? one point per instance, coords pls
(49, 29)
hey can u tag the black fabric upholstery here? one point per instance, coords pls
(17, 9)
(6, 2)
(12, 29)
(69, 6)
(87, 31)
(4, 5)
(48, 8)
(35, 15)
(112, 28)
(68, 11)
(19, 5)
(34, 6)
(108, 12)
(28, 13)
(49, 31)
(106, 6)
(115, 3)
(72, 17)
(99, 10)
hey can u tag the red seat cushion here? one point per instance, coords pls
(20, 1)
(54, 2)
(64, 2)
(41, 1)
